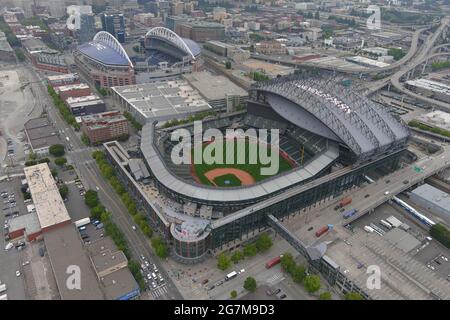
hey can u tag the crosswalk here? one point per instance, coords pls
(276, 278)
(159, 292)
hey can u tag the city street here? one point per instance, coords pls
(80, 156)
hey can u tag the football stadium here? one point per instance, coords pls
(328, 138)
(165, 50)
(105, 62)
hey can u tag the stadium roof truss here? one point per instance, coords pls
(109, 40)
(357, 121)
(172, 37)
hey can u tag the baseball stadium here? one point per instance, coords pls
(328, 138)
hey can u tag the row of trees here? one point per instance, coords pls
(349, 22)
(109, 174)
(10, 36)
(396, 53)
(133, 121)
(310, 282)
(35, 162)
(262, 244)
(421, 126)
(258, 76)
(298, 273)
(249, 285)
(191, 118)
(440, 65)
(160, 247)
(63, 109)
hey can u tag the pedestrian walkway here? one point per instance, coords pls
(276, 278)
(159, 292)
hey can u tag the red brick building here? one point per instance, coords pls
(104, 126)
(73, 90)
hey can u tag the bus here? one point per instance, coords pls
(274, 261)
(231, 275)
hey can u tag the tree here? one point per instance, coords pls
(96, 212)
(91, 198)
(228, 65)
(325, 296)
(123, 137)
(60, 161)
(233, 294)
(263, 243)
(237, 256)
(54, 173)
(223, 262)
(250, 284)
(63, 191)
(288, 263)
(353, 296)
(57, 150)
(250, 250)
(298, 273)
(312, 283)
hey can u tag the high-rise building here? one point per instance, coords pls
(176, 8)
(114, 24)
(57, 8)
(87, 28)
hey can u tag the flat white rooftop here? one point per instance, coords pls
(163, 99)
(47, 200)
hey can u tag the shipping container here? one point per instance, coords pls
(349, 213)
(321, 231)
(345, 201)
(274, 261)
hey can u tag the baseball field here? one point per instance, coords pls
(234, 175)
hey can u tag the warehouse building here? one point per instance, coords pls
(80, 106)
(66, 253)
(432, 199)
(218, 91)
(73, 90)
(430, 88)
(41, 135)
(63, 79)
(111, 268)
(160, 101)
(47, 200)
(25, 226)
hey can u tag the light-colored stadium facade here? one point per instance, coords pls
(352, 135)
(105, 61)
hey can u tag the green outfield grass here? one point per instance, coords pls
(253, 169)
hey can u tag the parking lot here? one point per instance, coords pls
(75, 199)
(10, 260)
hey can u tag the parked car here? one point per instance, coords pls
(17, 273)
